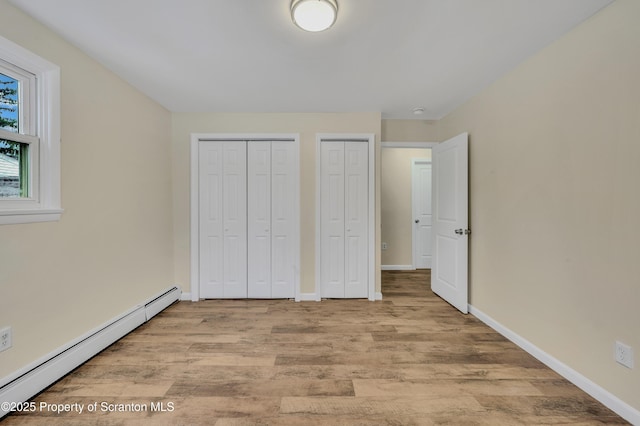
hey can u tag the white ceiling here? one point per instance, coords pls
(247, 56)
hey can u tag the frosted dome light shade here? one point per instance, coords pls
(314, 15)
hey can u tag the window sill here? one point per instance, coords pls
(11, 217)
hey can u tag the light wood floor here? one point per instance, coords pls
(410, 359)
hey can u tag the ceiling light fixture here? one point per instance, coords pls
(314, 15)
(418, 111)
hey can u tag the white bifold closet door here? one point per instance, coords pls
(344, 219)
(223, 219)
(270, 220)
(247, 228)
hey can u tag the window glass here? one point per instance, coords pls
(9, 103)
(14, 169)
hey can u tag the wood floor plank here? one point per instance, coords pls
(544, 406)
(447, 387)
(410, 359)
(261, 388)
(380, 406)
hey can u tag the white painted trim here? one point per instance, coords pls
(195, 192)
(10, 217)
(266, 137)
(378, 295)
(195, 220)
(412, 145)
(297, 295)
(185, 297)
(372, 218)
(18, 137)
(370, 138)
(397, 268)
(37, 376)
(297, 220)
(608, 399)
(318, 218)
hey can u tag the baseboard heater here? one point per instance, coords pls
(33, 379)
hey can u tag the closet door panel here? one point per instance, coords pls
(332, 221)
(356, 219)
(235, 219)
(211, 223)
(283, 220)
(259, 219)
(248, 219)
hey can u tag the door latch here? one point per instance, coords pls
(462, 231)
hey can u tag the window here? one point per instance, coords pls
(18, 118)
(29, 136)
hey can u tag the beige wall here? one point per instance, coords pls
(112, 249)
(307, 125)
(396, 205)
(395, 130)
(554, 155)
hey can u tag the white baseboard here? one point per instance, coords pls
(37, 376)
(185, 297)
(397, 268)
(608, 399)
(378, 295)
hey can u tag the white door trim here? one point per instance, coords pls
(196, 138)
(368, 138)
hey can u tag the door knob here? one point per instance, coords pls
(417, 220)
(462, 231)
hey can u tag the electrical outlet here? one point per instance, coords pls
(384, 246)
(5, 338)
(624, 354)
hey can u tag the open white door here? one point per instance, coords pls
(449, 278)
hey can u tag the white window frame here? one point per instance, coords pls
(27, 133)
(42, 133)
